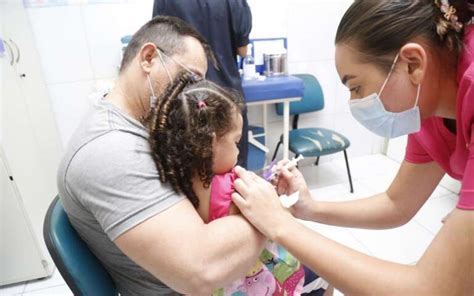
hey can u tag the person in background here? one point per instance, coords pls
(226, 24)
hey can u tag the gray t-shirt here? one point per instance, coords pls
(108, 184)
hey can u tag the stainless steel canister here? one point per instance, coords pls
(276, 64)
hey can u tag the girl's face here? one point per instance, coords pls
(225, 148)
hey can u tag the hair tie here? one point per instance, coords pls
(202, 105)
(449, 13)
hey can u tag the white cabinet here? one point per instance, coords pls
(30, 149)
(21, 255)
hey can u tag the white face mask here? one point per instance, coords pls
(371, 113)
(153, 98)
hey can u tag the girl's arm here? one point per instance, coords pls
(219, 197)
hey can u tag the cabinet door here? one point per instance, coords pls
(30, 138)
(19, 33)
(20, 256)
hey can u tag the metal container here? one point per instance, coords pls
(276, 64)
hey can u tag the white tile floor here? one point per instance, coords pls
(53, 285)
(371, 175)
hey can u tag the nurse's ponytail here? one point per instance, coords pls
(379, 28)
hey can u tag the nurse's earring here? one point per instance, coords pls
(153, 98)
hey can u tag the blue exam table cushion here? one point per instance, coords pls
(272, 88)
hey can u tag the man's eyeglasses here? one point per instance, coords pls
(194, 76)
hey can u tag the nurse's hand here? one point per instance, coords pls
(259, 203)
(289, 181)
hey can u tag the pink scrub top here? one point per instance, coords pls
(435, 142)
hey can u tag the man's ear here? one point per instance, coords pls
(414, 55)
(147, 56)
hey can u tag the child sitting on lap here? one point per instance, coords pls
(194, 136)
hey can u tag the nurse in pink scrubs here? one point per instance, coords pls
(409, 66)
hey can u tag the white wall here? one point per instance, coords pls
(3, 59)
(80, 48)
(310, 26)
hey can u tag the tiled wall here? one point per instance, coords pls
(79, 47)
(310, 26)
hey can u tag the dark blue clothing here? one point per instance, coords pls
(309, 277)
(226, 25)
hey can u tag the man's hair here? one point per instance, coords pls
(168, 33)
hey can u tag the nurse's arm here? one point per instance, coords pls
(410, 189)
(189, 256)
(446, 268)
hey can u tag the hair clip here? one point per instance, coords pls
(202, 105)
(449, 13)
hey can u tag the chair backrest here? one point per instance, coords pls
(81, 270)
(312, 100)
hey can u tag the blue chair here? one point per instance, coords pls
(256, 156)
(313, 142)
(81, 270)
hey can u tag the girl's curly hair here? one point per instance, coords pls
(182, 127)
